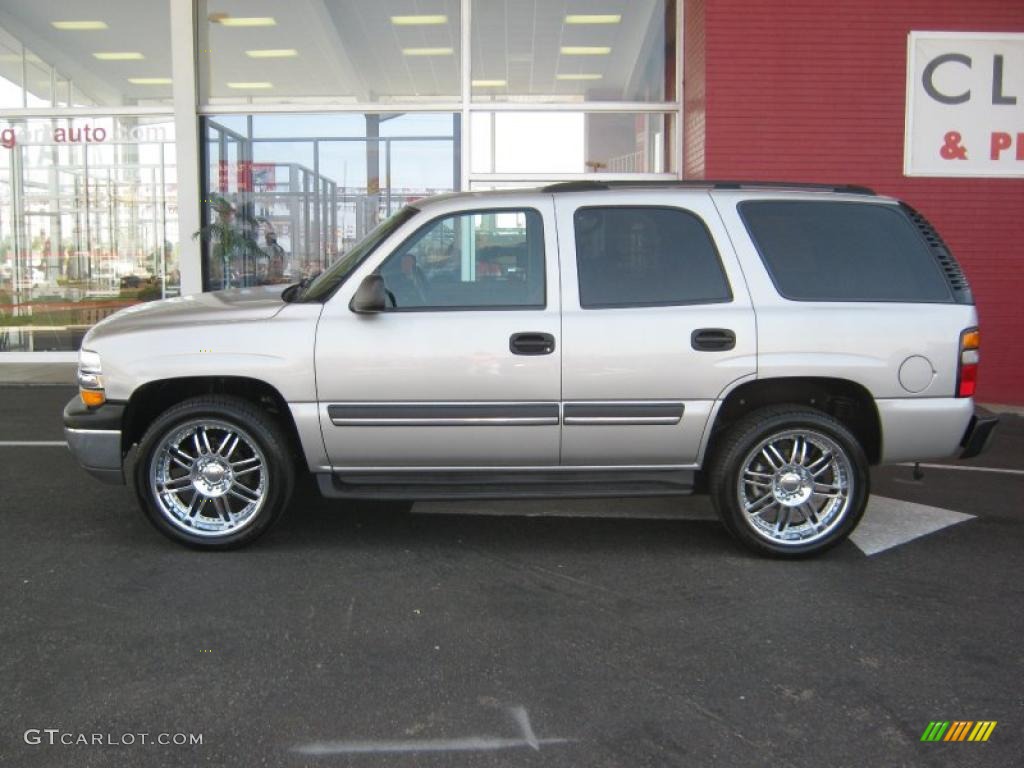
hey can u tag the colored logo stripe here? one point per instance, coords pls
(958, 730)
(982, 730)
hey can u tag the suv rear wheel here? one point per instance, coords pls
(213, 472)
(789, 482)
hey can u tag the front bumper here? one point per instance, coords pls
(978, 435)
(94, 438)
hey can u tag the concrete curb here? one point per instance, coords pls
(37, 374)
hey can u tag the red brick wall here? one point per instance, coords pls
(808, 91)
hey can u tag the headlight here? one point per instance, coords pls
(90, 379)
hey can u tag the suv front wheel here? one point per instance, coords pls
(213, 472)
(789, 482)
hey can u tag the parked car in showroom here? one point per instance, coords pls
(765, 344)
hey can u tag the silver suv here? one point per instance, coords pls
(762, 343)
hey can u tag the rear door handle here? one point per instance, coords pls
(531, 343)
(712, 339)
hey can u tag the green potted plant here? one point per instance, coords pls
(231, 238)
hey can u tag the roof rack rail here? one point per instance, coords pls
(590, 186)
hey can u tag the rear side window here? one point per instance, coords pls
(646, 256)
(832, 251)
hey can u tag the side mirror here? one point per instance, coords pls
(371, 296)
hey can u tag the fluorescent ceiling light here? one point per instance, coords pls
(118, 55)
(593, 18)
(149, 80)
(585, 50)
(243, 21)
(250, 86)
(420, 20)
(272, 53)
(79, 26)
(580, 76)
(489, 83)
(427, 51)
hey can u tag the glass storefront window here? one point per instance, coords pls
(571, 142)
(572, 51)
(328, 52)
(88, 224)
(108, 53)
(286, 195)
(88, 205)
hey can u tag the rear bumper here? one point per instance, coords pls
(978, 435)
(94, 438)
(922, 429)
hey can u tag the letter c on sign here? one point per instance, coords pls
(929, 73)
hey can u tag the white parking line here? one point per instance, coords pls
(964, 468)
(33, 444)
(889, 523)
(527, 739)
(412, 746)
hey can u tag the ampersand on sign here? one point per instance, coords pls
(952, 150)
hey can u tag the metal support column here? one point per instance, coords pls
(186, 132)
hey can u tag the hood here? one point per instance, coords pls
(200, 309)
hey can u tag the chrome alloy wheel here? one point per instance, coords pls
(209, 478)
(795, 487)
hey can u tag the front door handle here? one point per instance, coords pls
(713, 340)
(531, 343)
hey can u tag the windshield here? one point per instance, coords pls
(335, 275)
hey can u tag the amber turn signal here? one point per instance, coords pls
(93, 397)
(970, 339)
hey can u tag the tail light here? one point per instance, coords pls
(967, 373)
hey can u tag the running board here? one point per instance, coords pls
(506, 485)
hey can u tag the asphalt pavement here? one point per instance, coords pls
(620, 633)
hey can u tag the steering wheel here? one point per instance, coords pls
(405, 286)
(417, 283)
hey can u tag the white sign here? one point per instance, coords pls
(965, 104)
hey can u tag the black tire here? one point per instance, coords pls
(739, 446)
(253, 425)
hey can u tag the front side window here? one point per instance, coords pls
(474, 260)
(646, 256)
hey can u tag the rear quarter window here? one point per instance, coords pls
(839, 251)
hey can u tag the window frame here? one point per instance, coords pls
(729, 297)
(893, 208)
(421, 230)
